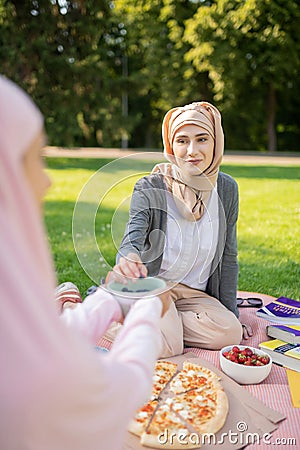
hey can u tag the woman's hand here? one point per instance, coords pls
(132, 267)
(129, 266)
(247, 331)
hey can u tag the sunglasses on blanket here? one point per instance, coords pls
(251, 302)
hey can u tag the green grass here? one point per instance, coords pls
(268, 227)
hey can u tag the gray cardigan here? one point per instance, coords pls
(145, 233)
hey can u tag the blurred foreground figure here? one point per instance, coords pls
(56, 391)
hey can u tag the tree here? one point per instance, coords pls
(251, 51)
(157, 77)
(60, 55)
(105, 71)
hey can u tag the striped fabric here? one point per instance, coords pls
(273, 392)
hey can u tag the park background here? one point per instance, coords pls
(105, 72)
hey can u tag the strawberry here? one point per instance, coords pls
(248, 351)
(242, 358)
(259, 363)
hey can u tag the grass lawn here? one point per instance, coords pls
(268, 227)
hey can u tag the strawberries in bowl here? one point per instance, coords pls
(246, 356)
(246, 365)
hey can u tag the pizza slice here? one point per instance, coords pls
(193, 403)
(142, 417)
(163, 372)
(192, 376)
(167, 430)
(188, 365)
(205, 409)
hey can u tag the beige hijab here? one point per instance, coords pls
(191, 192)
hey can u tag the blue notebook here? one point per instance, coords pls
(282, 310)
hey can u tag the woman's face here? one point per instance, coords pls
(35, 170)
(193, 148)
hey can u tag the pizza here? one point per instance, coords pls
(191, 376)
(163, 373)
(164, 419)
(210, 402)
(184, 404)
(142, 417)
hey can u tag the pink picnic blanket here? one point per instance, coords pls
(273, 392)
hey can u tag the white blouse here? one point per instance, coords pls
(190, 246)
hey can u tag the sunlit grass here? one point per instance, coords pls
(268, 227)
(269, 233)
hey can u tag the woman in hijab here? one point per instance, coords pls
(182, 227)
(56, 391)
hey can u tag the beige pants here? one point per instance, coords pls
(197, 320)
(194, 319)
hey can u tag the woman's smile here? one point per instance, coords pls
(193, 161)
(193, 148)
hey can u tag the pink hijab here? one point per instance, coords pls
(20, 122)
(26, 273)
(56, 391)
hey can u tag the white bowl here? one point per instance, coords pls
(245, 374)
(140, 289)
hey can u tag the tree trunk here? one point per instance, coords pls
(272, 141)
